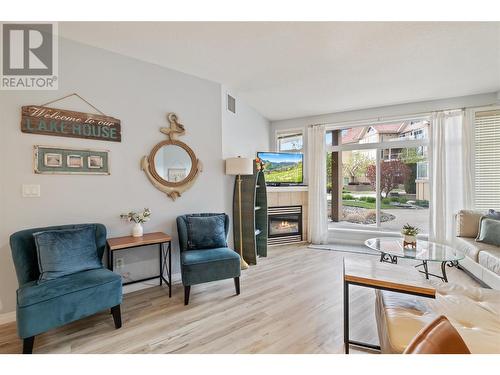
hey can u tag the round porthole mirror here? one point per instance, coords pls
(172, 165)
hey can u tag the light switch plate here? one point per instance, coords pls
(31, 191)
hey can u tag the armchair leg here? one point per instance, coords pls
(187, 289)
(237, 284)
(117, 316)
(28, 345)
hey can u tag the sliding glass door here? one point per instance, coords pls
(378, 176)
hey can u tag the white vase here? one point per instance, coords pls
(410, 239)
(137, 230)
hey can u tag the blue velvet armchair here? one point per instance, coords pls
(44, 305)
(205, 263)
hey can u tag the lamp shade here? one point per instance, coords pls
(239, 166)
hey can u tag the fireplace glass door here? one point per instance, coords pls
(283, 224)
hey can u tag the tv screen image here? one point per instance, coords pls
(282, 168)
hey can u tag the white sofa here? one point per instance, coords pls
(481, 260)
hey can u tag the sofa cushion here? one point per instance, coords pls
(490, 259)
(35, 292)
(469, 247)
(467, 223)
(474, 312)
(191, 257)
(489, 231)
(200, 266)
(66, 251)
(53, 303)
(206, 232)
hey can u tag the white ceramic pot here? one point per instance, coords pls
(137, 230)
(410, 239)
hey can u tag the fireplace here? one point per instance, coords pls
(284, 225)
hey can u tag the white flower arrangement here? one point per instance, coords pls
(138, 218)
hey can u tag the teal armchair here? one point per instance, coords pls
(45, 305)
(206, 258)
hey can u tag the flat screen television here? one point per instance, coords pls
(282, 168)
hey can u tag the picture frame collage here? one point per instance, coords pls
(55, 160)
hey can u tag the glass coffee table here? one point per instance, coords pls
(391, 248)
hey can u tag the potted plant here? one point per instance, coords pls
(138, 219)
(410, 234)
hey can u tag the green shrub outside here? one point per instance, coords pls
(422, 203)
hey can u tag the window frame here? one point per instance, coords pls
(379, 147)
(288, 133)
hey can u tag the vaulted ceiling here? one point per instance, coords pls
(297, 69)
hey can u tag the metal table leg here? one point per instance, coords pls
(166, 266)
(346, 317)
(169, 269)
(348, 341)
(443, 276)
(160, 247)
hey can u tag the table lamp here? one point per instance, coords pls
(237, 167)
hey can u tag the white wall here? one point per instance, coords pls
(140, 95)
(244, 133)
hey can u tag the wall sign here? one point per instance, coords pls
(63, 123)
(56, 160)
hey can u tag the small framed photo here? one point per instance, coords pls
(53, 160)
(75, 161)
(95, 162)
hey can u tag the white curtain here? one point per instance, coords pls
(451, 146)
(317, 226)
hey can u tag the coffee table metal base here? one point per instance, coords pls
(451, 263)
(388, 258)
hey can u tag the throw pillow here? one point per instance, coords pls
(66, 251)
(467, 223)
(489, 231)
(492, 214)
(206, 232)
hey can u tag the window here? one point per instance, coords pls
(378, 176)
(487, 159)
(422, 171)
(291, 142)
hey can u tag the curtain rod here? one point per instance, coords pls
(391, 118)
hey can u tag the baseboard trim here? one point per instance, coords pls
(7, 318)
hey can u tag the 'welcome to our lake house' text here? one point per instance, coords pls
(50, 121)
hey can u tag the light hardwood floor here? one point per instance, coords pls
(291, 302)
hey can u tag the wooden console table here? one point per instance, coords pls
(156, 238)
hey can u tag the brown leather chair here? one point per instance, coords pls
(439, 337)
